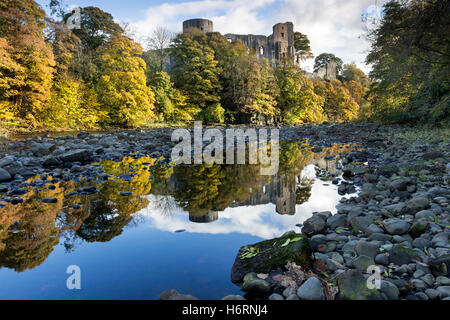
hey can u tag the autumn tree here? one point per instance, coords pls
(30, 60)
(339, 105)
(122, 88)
(298, 101)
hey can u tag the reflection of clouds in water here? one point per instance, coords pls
(260, 220)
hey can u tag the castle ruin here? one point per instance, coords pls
(276, 47)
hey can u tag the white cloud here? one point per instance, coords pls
(228, 16)
(332, 25)
(259, 220)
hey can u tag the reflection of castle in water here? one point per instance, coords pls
(210, 216)
(281, 191)
(285, 190)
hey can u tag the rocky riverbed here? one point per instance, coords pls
(398, 222)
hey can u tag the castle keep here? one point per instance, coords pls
(276, 47)
(279, 45)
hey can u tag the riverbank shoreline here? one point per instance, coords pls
(399, 222)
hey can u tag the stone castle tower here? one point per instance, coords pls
(204, 25)
(279, 45)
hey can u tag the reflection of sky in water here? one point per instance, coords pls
(261, 220)
(149, 258)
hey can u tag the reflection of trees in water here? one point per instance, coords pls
(166, 205)
(29, 231)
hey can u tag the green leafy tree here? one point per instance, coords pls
(170, 103)
(410, 55)
(351, 72)
(325, 58)
(196, 74)
(302, 47)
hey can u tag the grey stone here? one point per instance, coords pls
(390, 290)
(353, 286)
(428, 279)
(416, 204)
(425, 214)
(432, 293)
(399, 184)
(293, 297)
(418, 284)
(333, 265)
(42, 149)
(421, 243)
(311, 289)
(4, 175)
(382, 259)
(362, 262)
(313, 225)
(380, 237)
(396, 226)
(49, 200)
(289, 291)
(444, 291)
(421, 296)
(82, 155)
(276, 296)
(233, 297)
(373, 228)
(175, 295)
(401, 254)
(257, 286)
(443, 280)
(419, 228)
(336, 221)
(362, 222)
(366, 248)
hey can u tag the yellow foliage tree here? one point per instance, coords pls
(122, 88)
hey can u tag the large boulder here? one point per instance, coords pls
(401, 254)
(264, 256)
(4, 175)
(42, 149)
(311, 289)
(396, 226)
(10, 165)
(81, 155)
(314, 225)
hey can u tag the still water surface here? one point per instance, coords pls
(181, 228)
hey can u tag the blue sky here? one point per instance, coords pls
(332, 26)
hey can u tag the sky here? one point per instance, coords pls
(332, 26)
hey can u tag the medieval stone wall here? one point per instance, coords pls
(279, 45)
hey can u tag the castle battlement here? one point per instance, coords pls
(275, 47)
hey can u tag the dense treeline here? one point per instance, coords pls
(96, 76)
(411, 62)
(93, 76)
